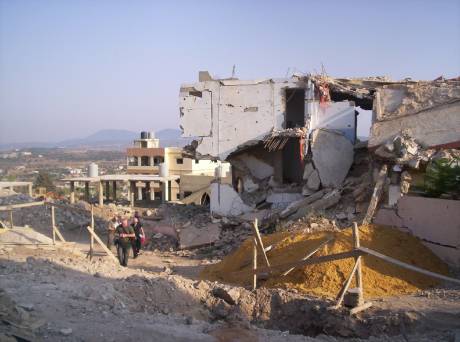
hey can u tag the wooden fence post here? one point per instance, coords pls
(359, 278)
(11, 219)
(91, 237)
(260, 244)
(53, 224)
(254, 263)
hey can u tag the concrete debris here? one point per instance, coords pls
(229, 295)
(426, 108)
(193, 237)
(405, 182)
(294, 206)
(328, 200)
(282, 200)
(226, 202)
(15, 322)
(313, 182)
(254, 166)
(66, 331)
(308, 169)
(332, 156)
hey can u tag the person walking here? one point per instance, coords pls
(111, 228)
(124, 235)
(140, 236)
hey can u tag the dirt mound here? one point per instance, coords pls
(325, 280)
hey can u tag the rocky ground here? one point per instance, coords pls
(57, 293)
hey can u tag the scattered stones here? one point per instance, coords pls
(230, 296)
(66, 331)
(192, 236)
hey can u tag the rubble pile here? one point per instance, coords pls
(68, 217)
(326, 279)
(161, 242)
(17, 323)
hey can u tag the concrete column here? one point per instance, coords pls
(114, 194)
(30, 190)
(129, 191)
(164, 191)
(107, 190)
(139, 193)
(139, 160)
(101, 194)
(72, 192)
(151, 161)
(169, 191)
(151, 187)
(87, 191)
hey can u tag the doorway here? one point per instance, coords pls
(293, 161)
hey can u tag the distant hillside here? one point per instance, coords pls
(107, 139)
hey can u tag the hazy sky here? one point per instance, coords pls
(69, 68)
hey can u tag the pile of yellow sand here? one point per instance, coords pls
(380, 278)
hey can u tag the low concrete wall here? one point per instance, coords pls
(435, 221)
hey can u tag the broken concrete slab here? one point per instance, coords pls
(327, 201)
(332, 156)
(306, 191)
(165, 230)
(257, 167)
(308, 169)
(283, 199)
(225, 201)
(314, 182)
(293, 207)
(193, 237)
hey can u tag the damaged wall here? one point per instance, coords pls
(435, 221)
(428, 109)
(228, 114)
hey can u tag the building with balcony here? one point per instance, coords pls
(146, 157)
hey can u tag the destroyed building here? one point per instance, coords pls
(274, 133)
(287, 139)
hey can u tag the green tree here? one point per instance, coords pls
(44, 180)
(443, 177)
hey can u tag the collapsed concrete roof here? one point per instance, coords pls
(228, 114)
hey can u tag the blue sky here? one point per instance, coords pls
(70, 68)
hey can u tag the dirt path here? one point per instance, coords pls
(100, 301)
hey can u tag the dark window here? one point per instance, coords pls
(179, 161)
(196, 161)
(295, 108)
(157, 160)
(145, 161)
(177, 196)
(187, 193)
